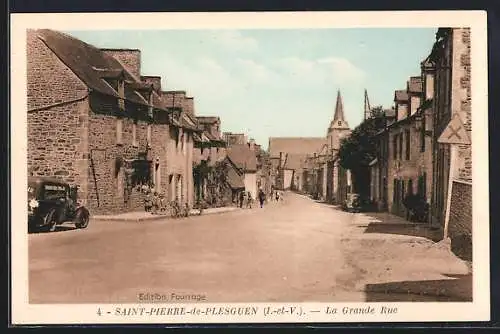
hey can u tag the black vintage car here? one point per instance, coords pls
(52, 202)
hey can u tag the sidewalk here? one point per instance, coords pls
(396, 260)
(138, 216)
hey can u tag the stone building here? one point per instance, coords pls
(209, 149)
(94, 123)
(452, 101)
(379, 167)
(408, 146)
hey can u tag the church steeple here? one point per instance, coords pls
(367, 106)
(339, 108)
(338, 127)
(338, 121)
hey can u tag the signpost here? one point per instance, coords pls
(454, 134)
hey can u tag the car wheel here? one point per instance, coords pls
(49, 221)
(82, 218)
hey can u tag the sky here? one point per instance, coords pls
(280, 82)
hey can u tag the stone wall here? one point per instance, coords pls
(405, 170)
(460, 224)
(59, 151)
(105, 195)
(129, 58)
(55, 96)
(462, 87)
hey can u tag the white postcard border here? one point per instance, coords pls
(25, 313)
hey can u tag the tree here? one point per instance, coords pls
(360, 148)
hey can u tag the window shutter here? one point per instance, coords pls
(119, 131)
(134, 134)
(149, 135)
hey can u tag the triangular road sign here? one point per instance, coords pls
(454, 133)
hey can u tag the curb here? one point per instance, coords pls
(154, 217)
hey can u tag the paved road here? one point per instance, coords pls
(286, 252)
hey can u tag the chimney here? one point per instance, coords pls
(129, 58)
(153, 80)
(174, 98)
(251, 144)
(189, 105)
(281, 159)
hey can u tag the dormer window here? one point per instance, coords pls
(121, 94)
(150, 101)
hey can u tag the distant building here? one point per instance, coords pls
(293, 149)
(244, 159)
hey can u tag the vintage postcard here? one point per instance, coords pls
(249, 167)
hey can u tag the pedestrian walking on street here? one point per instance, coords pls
(249, 200)
(277, 196)
(262, 198)
(163, 204)
(155, 203)
(242, 197)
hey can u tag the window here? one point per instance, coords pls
(422, 133)
(149, 134)
(119, 131)
(134, 134)
(339, 123)
(408, 152)
(400, 146)
(150, 107)
(395, 191)
(121, 94)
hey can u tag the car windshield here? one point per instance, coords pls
(51, 191)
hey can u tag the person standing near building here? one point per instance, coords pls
(155, 203)
(262, 198)
(249, 200)
(148, 201)
(242, 197)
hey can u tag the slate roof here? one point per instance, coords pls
(415, 85)
(295, 145)
(207, 119)
(234, 180)
(401, 95)
(390, 112)
(294, 161)
(427, 63)
(92, 65)
(242, 157)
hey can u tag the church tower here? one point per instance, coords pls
(338, 126)
(368, 109)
